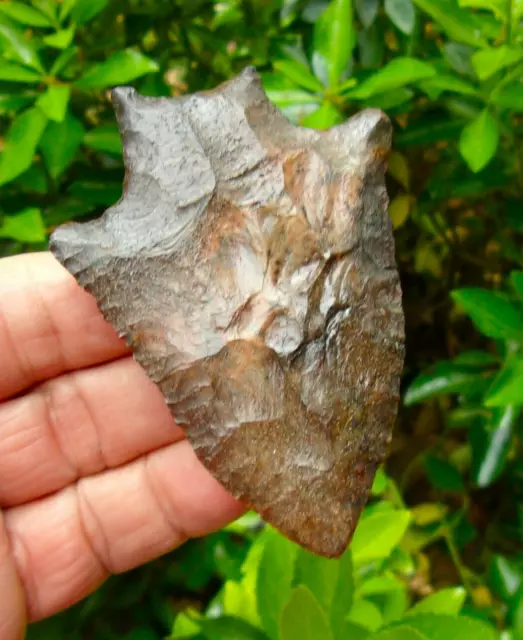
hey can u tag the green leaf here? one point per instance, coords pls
(61, 39)
(302, 618)
(343, 595)
(449, 601)
(59, 144)
(496, 6)
(299, 74)
(54, 101)
(493, 315)
(397, 73)
(403, 632)
(24, 14)
(26, 226)
(507, 386)
(377, 535)
(516, 279)
(85, 10)
(323, 118)
(442, 474)
(367, 11)
(402, 14)
(229, 628)
(460, 24)
(488, 61)
(319, 575)
(105, 138)
(491, 445)
(479, 141)
(366, 614)
(17, 48)
(12, 72)
(443, 378)
(121, 67)
(453, 84)
(274, 582)
(445, 627)
(506, 576)
(20, 144)
(334, 40)
(62, 61)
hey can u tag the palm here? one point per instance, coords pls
(94, 476)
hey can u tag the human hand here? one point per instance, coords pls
(95, 478)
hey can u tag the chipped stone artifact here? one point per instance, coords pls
(250, 266)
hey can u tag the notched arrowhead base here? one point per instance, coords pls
(250, 266)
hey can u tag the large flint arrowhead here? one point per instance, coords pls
(250, 266)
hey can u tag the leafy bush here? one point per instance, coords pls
(438, 552)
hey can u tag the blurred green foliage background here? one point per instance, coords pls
(438, 553)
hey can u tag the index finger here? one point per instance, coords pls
(48, 324)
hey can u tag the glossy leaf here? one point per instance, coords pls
(274, 582)
(402, 14)
(60, 143)
(120, 68)
(24, 14)
(448, 601)
(54, 102)
(302, 618)
(506, 576)
(491, 444)
(12, 72)
(453, 84)
(376, 535)
(492, 314)
(496, 6)
(460, 24)
(507, 386)
(399, 72)
(26, 226)
(443, 378)
(18, 48)
(20, 144)
(334, 39)
(479, 141)
(299, 74)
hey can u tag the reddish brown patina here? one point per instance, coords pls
(250, 266)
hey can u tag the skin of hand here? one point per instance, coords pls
(95, 477)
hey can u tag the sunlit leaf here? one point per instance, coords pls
(449, 601)
(488, 61)
(399, 210)
(54, 101)
(61, 39)
(24, 14)
(399, 72)
(493, 315)
(460, 24)
(12, 72)
(334, 40)
(377, 535)
(18, 48)
(85, 10)
(299, 74)
(20, 144)
(120, 68)
(26, 226)
(302, 618)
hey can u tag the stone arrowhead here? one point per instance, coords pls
(250, 266)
